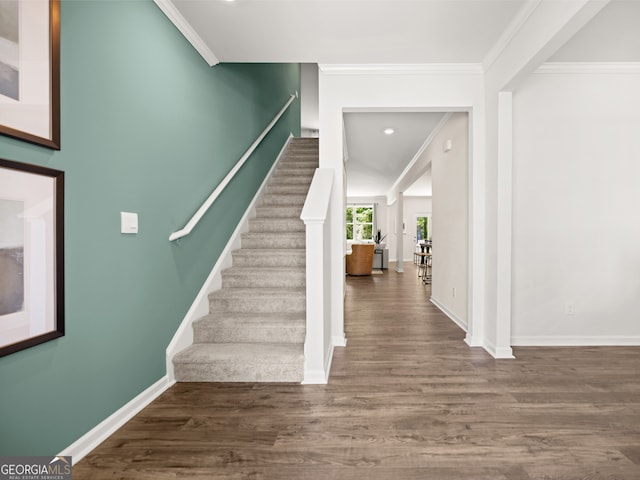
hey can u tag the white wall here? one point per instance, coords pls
(576, 209)
(450, 174)
(309, 117)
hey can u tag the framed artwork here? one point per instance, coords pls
(31, 255)
(30, 71)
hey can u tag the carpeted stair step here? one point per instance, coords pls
(301, 188)
(276, 224)
(296, 171)
(274, 240)
(300, 161)
(269, 257)
(290, 180)
(250, 328)
(264, 277)
(283, 199)
(258, 300)
(240, 362)
(279, 211)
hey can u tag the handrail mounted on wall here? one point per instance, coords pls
(216, 193)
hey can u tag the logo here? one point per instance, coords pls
(35, 468)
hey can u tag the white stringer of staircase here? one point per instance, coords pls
(255, 329)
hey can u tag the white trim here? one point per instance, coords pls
(200, 306)
(392, 192)
(403, 69)
(339, 340)
(457, 320)
(98, 434)
(172, 13)
(319, 377)
(575, 341)
(510, 32)
(497, 353)
(588, 68)
(504, 222)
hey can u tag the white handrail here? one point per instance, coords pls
(214, 195)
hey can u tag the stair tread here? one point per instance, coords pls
(256, 318)
(270, 251)
(255, 292)
(246, 352)
(266, 270)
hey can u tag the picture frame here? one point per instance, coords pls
(31, 255)
(30, 71)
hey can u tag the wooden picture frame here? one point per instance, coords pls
(30, 71)
(31, 255)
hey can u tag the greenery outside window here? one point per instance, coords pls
(359, 220)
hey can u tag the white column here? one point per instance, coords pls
(504, 236)
(399, 233)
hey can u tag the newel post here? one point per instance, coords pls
(317, 346)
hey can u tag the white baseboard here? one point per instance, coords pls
(575, 341)
(497, 352)
(98, 434)
(200, 306)
(457, 320)
(339, 340)
(319, 377)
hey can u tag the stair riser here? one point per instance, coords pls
(230, 372)
(273, 225)
(257, 304)
(295, 151)
(272, 241)
(303, 172)
(283, 199)
(279, 211)
(245, 334)
(260, 259)
(301, 189)
(258, 279)
(310, 161)
(290, 180)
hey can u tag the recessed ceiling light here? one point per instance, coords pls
(389, 131)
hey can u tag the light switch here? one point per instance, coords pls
(128, 222)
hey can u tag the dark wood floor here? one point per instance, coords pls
(407, 399)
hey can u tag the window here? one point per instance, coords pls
(422, 228)
(359, 222)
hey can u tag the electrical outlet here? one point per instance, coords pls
(569, 308)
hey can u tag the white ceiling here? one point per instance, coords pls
(350, 31)
(386, 32)
(376, 159)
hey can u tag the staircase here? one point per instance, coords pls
(255, 330)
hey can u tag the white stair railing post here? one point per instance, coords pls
(318, 349)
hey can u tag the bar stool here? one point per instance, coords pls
(426, 269)
(422, 262)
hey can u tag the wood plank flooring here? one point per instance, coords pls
(407, 399)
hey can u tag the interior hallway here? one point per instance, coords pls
(407, 399)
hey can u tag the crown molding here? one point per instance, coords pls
(589, 68)
(173, 14)
(403, 69)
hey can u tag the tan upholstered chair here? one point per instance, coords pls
(360, 260)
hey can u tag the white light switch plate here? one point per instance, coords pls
(128, 222)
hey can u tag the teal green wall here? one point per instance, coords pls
(148, 127)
